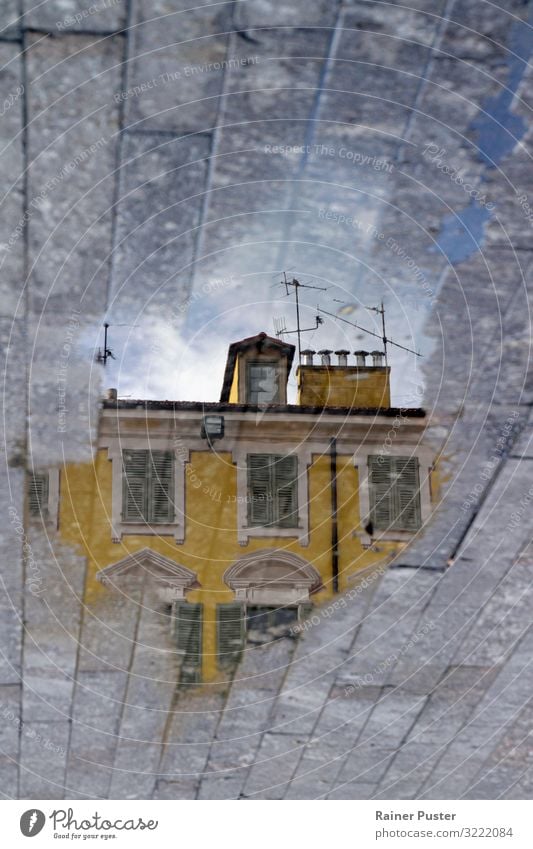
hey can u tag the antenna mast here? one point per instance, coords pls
(299, 330)
(384, 338)
(103, 356)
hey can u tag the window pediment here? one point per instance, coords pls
(148, 565)
(271, 569)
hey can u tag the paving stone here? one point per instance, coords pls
(177, 54)
(58, 16)
(273, 766)
(353, 790)
(9, 771)
(69, 230)
(184, 789)
(9, 727)
(220, 787)
(150, 694)
(43, 755)
(13, 354)
(11, 162)
(158, 211)
(264, 13)
(128, 780)
(10, 659)
(90, 762)
(11, 23)
(508, 762)
(388, 625)
(190, 739)
(502, 622)
(64, 390)
(502, 702)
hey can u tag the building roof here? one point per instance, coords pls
(262, 342)
(226, 407)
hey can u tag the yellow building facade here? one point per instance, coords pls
(246, 512)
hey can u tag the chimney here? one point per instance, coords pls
(308, 355)
(378, 358)
(359, 386)
(343, 357)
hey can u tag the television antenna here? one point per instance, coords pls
(103, 356)
(296, 285)
(384, 338)
(279, 326)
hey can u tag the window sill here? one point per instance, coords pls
(43, 521)
(144, 529)
(294, 528)
(383, 536)
(257, 531)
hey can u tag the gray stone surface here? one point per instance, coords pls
(62, 16)
(72, 156)
(420, 687)
(12, 189)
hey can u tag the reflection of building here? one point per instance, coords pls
(242, 513)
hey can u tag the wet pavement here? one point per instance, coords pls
(161, 167)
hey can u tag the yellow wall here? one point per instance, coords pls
(211, 545)
(343, 386)
(234, 391)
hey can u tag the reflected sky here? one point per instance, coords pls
(184, 358)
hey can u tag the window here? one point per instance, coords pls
(188, 633)
(147, 486)
(263, 383)
(261, 617)
(230, 633)
(38, 488)
(272, 490)
(237, 623)
(394, 493)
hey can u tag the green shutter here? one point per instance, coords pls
(286, 491)
(380, 488)
(148, 486)
(161, 496)
(135, 486)
(304, 610)
(259, 490)
(230, 633)
(407, 493)
(394, 493)
(272, 490)
(38, 493)
(188, 634)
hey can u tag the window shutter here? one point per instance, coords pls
(380, 488)
(394, 493)
(161, 501)
(147, 491)
(286, 490)
(407, 492)
(38, 494)
(259, 490)
(305, 610)
(135, 485)
(230, 633)
(188, 633)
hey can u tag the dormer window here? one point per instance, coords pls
(263, 382)
(257, 371)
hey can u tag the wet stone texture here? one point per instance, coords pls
(165, 147)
